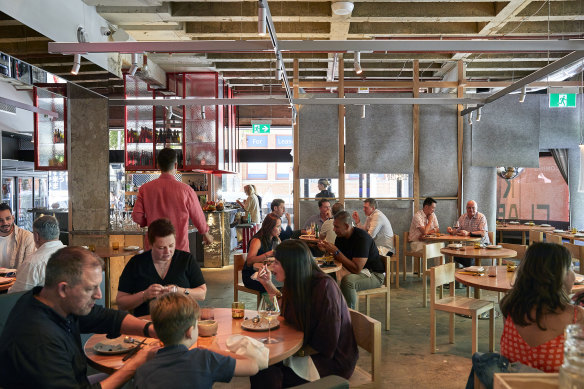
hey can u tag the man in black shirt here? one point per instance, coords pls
(357, 251)
(40, 346)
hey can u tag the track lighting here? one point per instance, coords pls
(479, 114)
(261, 19)
(357, 62)
(203, 114)
(134, 66)
(523, 93)
(76, 64)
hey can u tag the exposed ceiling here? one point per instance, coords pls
(152, 20)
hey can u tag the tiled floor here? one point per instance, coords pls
(406, 361)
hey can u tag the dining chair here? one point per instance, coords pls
(411, 253)
(383, 290)
(577, 252)
(444, 274)
(368, 336)
(431, 250)
(238, 262)
(7, 302)
(553, 238)
(395, 259)
(535, 236)
(519, 248)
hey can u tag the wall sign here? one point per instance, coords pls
(562, 100)
(261, 128)
(284, 141)
(257, 141)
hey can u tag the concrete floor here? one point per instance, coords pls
(406, 361)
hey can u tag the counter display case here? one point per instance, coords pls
(50, 133)
(139, 131)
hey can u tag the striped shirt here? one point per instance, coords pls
(477, 223)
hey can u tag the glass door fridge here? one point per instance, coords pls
(8, 192)
(24, 218)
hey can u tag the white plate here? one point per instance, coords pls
(454, 245)
(475, 269)
(559, 231)
(578, 235)
(132, 248)
(85, 247)
(494, 246)
(113, 346)
(513, 223)
(530, 224)
(545, 225)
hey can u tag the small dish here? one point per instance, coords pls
(207, 327)
(513, 222)
(132, 248)
(558, 231)
(545, 225)
(494, 246)
(474, 269)
(578, 235)
(455, 246)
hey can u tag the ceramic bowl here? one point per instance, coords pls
(207, 327)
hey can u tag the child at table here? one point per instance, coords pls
(174, 317)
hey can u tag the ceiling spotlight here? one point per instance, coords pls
(76, 64)
(357, 62)
(469, 118)
(261, 19)
(363, 111)
(523, 93)
(479, 114)
(168, 113)
(203, 114)
(134, 66)
(342, 8)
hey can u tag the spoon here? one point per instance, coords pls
(129, 339)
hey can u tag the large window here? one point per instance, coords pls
(539, 194)
(366, 185)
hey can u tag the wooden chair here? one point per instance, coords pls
(520, 248)
(395, 259)
(411, 253)
(368, 335)
(444, 274)
(577, 252)
(238, 262)
(383, 289)
(431, 250)
(553, 238)
(535, 236)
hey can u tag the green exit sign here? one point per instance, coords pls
(562, 100)
(261, 128)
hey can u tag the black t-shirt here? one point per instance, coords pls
(140, 273)
(361, 245)
(41, 349)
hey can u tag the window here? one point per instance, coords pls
(257, 171)
(537, 194)
(283, 171)
(116, 139)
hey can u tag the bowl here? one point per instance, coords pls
(207, 327)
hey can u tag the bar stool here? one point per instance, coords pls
(248, 230)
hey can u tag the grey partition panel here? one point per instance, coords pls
(438, 150)
(507, 134)
(576, 198)
(307, 209)
(319, 141)
(479, 184)
(447, 213)
(381, 142)
(559, 127)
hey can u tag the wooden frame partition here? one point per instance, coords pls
(416, 134)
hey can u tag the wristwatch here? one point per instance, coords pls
(187, 292)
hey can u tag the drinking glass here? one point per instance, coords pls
(207, 313)
(312, 225)
(269, 310)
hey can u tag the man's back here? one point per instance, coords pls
(165, 197)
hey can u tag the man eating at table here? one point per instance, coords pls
(423, 223)
(357, 252)
(279, 209)
(324, 207)
(471, 223)
(40, 346)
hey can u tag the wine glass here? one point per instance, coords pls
(312, 226)
(269, 310)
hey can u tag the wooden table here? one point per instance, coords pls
(112, 275)
(332, 269)
(521, 228)
(480, 254)
(292, 340)
(451, 238)
(503, 282)
(5, 286)
(309, 239)
(569, 236)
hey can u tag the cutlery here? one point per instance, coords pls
(133, 351)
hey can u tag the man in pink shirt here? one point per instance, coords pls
(165, 197)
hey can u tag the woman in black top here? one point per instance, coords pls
(261, 247)
(325, 189)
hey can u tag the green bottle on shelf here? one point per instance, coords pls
(248, 218)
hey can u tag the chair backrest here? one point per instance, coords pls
(396, 246)
(386, 262)
(520, 248)
(440, 275)
(535, 236)
(368, 336)
(577, 251)
(238, 262)
(432, 250)
(7, 302)
(553, 238)
(491, 237)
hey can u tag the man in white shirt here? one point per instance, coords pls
(423, 223)
(327, 231)
(31, 272)
(377, 226)
(15, 243)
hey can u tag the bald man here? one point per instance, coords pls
(472, 223)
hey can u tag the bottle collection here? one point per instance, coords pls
(58, 136)
(168, 136)
(144, 136)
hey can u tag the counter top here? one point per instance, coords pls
(224, 210)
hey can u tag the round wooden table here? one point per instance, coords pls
(523, 228)
(480, 254)
(503, 282)
(451, 238)
(309, 239)
(291, 341)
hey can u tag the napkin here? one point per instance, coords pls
(303, 366)
(249, 347)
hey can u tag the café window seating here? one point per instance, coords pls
(383, 290)
(238, 262)
(368, 336)
(444, 274)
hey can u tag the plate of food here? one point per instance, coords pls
(455, 246)
(558, 231)
(115, 346)
(579, 279)
(545, 225)
(513, 222)
(530, 224)
(259, 324)
(474, 269)
(578, 235)
(132, 248)
(494, 246)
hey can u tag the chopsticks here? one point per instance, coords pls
(131, 353)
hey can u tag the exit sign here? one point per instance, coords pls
(261, 128)
(562, 100)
